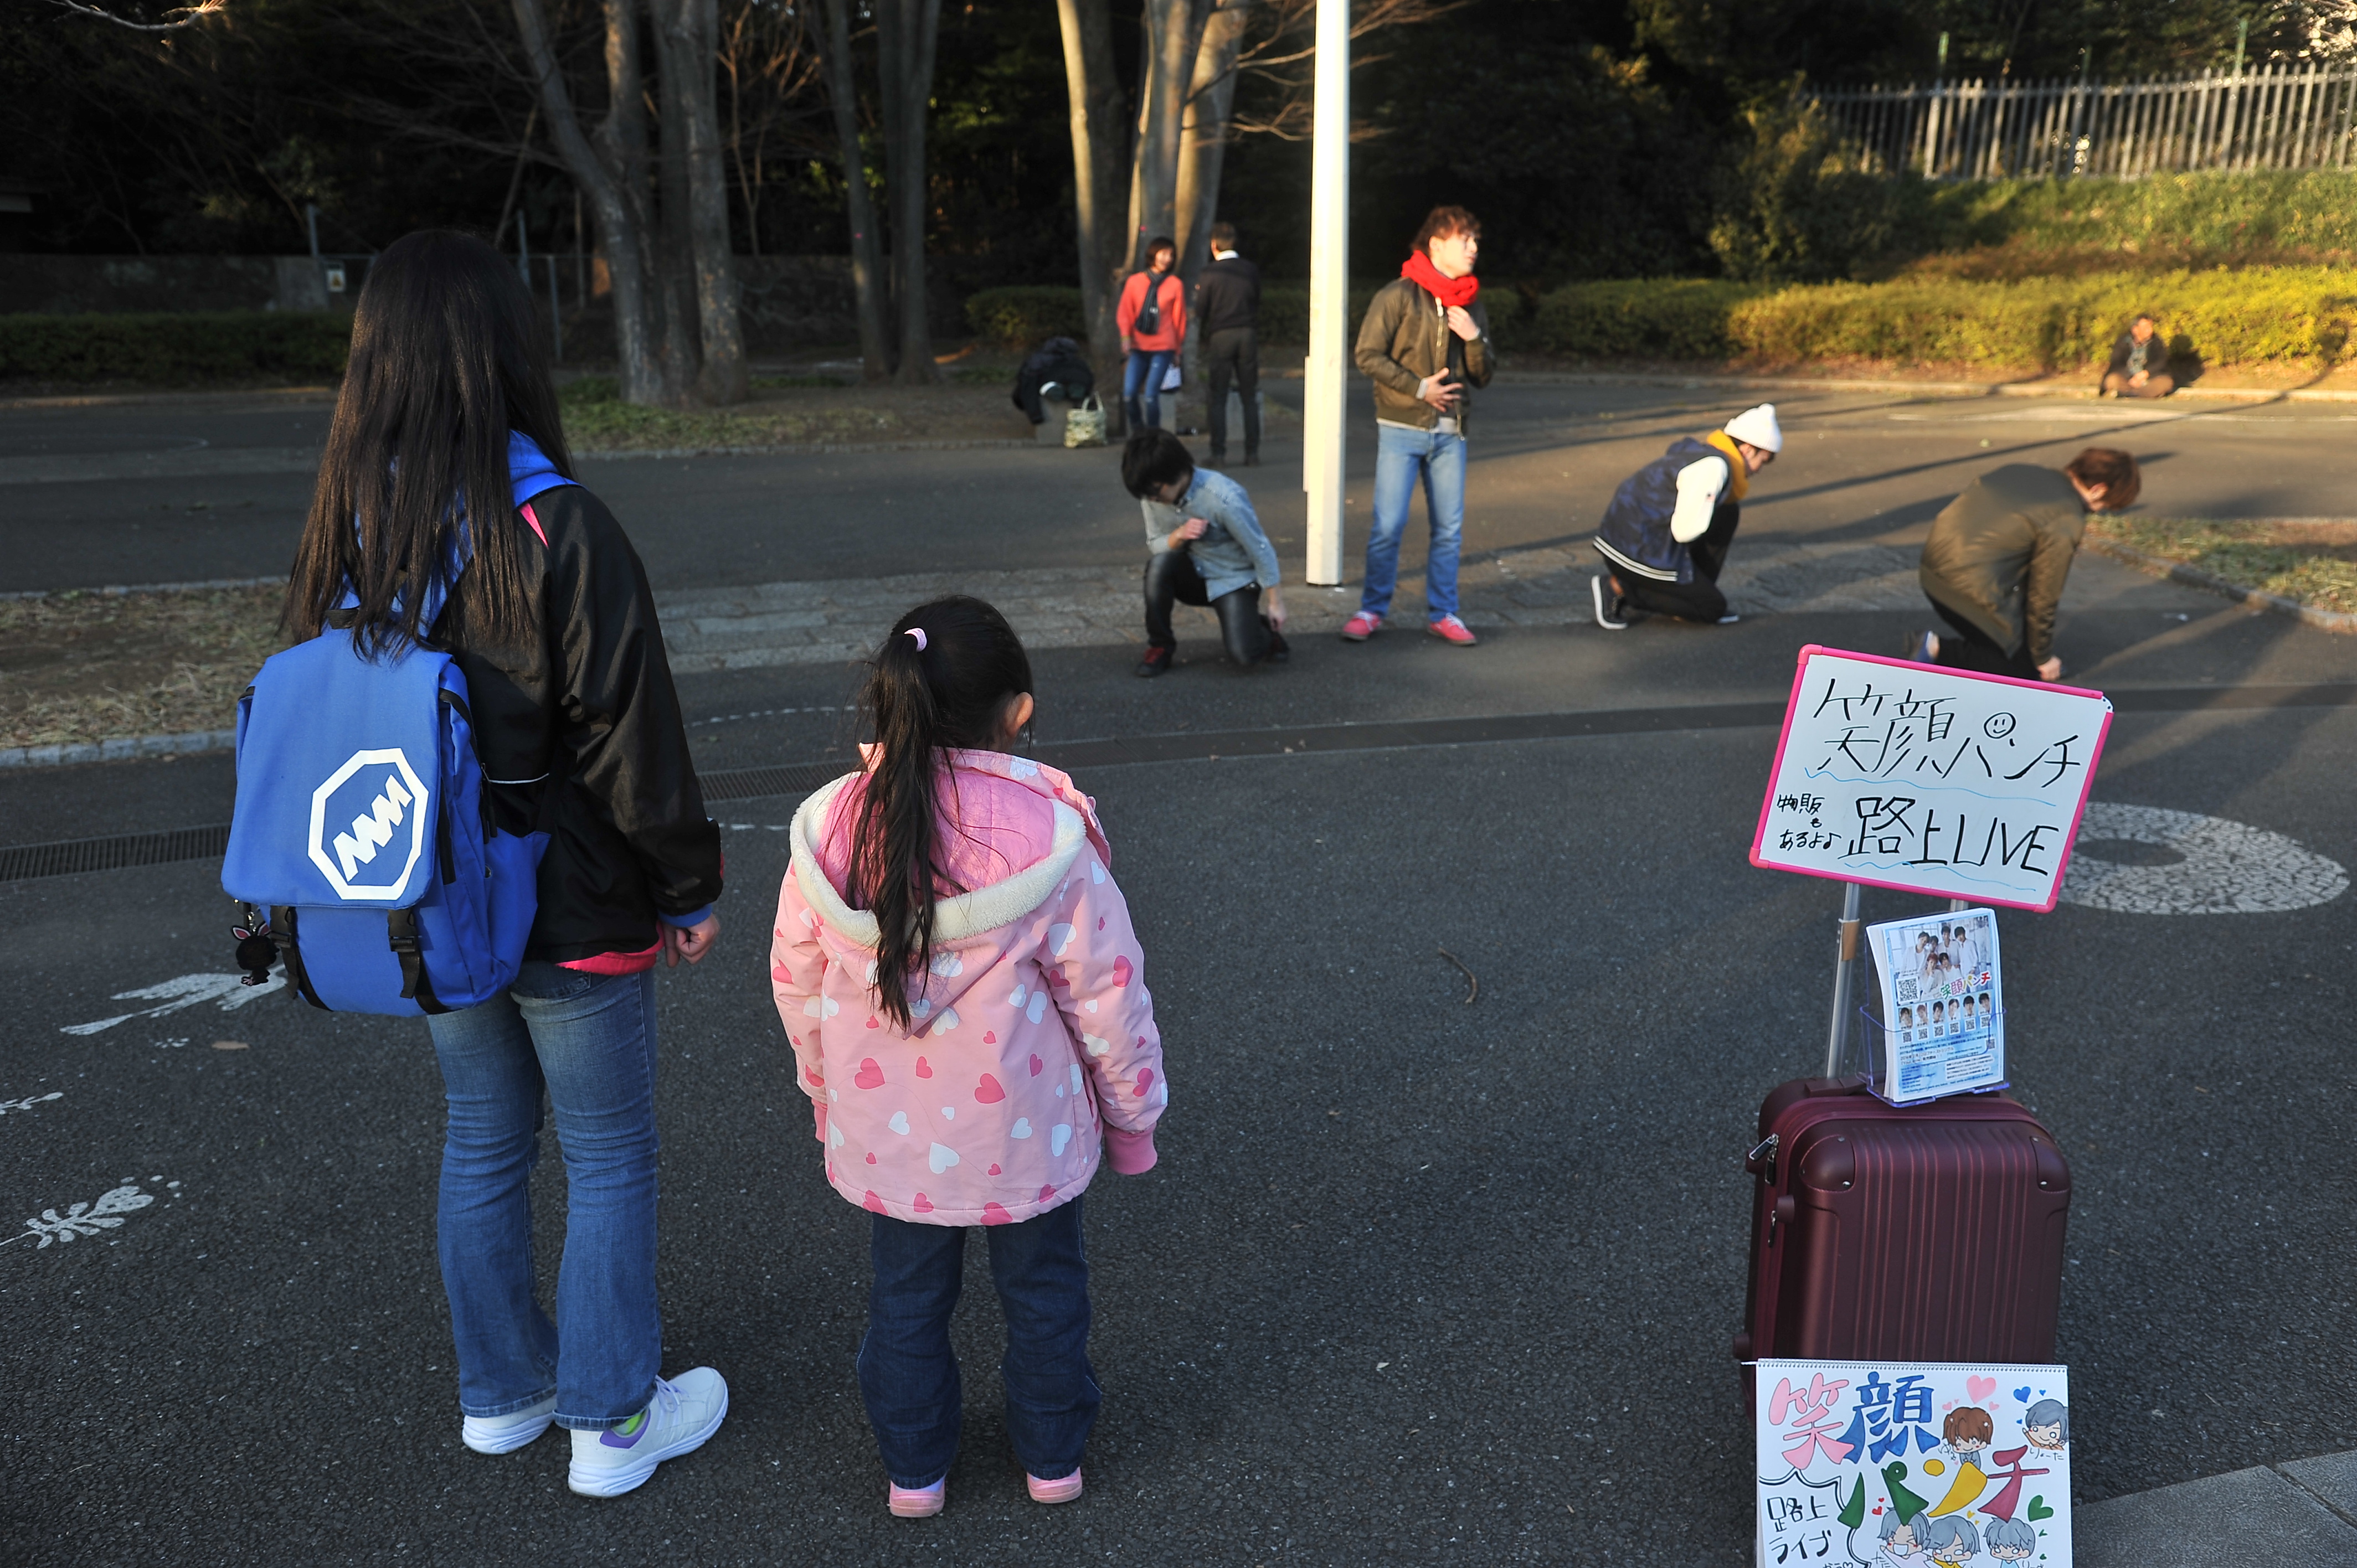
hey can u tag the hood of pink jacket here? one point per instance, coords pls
(1034, 1028)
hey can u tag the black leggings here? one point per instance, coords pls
(1973, 648)
(1171, 577)
(1700, 600)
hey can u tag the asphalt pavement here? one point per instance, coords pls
(1418, 1280)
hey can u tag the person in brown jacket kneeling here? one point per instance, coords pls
(2000, 554)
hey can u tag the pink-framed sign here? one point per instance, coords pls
(1930, 781)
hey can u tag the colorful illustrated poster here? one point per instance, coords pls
(1913, 1465)
(1942, 1004)
(1909, 776)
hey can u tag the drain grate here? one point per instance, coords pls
(750, 783)
(66, 857)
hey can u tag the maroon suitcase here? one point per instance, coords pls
(1928, 1233)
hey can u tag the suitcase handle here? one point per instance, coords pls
(1762, 1161)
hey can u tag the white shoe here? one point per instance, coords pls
(684, 1413)
(1730, 619)
(506, 1434)
(1603, 613)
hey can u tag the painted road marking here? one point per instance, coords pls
(103, 1213)
(30, 1101)
(226, 992)
(2224, 867)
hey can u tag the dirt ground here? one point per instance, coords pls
(87, 667)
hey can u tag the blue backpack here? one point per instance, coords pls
(362, 836)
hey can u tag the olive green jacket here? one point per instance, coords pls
(1405, 339)
(2000, 552)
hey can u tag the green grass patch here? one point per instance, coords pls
(2312, 564)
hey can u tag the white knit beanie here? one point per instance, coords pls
(1757, 428)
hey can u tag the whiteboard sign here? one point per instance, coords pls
(1911, 1465)
(1930, 781)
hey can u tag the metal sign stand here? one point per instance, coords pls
(1853, 930)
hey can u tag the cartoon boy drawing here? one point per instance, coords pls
(1968, 1429)
(2011, 1540)
(2047, 1424)
(1899, 1541)
(1952, 1540)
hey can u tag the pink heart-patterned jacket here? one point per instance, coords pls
(1033, 1044)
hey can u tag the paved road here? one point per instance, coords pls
(104, 496)
(1416, 1281)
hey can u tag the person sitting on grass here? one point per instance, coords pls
(1207, 548)
(2000, 554)
(2139, 366)
(1666, 536)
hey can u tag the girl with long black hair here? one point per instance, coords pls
(966, 1001)
(445, 414)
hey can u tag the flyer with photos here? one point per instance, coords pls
(1942, 1005)
(1912, 1465)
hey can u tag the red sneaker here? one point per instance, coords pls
(1361, 627)
(1448, 628)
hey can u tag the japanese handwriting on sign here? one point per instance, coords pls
(1884, 1414)
(1812, 803)
(1811, 1412)
(1806, 1548)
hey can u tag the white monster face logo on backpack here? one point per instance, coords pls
(369, 816)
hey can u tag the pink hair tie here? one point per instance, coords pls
(919, 633)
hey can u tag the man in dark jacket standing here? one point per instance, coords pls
(1426, 339)
(1227, 302)
(2000, 555)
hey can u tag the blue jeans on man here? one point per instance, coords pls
(1403, 459)
(909, 1374)
(589, 1041)
(1145, 369)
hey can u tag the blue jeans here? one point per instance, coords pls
(589, 1041)
(1401, 456)
(908, 1376)
(1147, 367)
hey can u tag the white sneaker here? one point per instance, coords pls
(684, 1413)
(1606, 614)
(506, 1434)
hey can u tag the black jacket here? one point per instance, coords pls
(1060, 361)
(591, 704)
(1227, 296)
(2156, 355)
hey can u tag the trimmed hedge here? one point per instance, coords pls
(175, 346)
(2283, 316)
(1026, 316)
(1023, 316)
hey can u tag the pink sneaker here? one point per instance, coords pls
(918, 1502)
(1448, 628)
(1062, 1491)
(1361, 627)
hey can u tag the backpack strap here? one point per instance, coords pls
(282, 933)
(400, 935)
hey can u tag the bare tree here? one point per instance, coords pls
(188, 16)
(1210, 108)
(610, 171)
(905, 33)
(1098, 156)
(690, 31)
(1173, 30)
(867, 247)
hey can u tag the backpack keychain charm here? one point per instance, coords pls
(256, 952)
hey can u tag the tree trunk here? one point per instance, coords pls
(694, 27)
(1173, 33)
(867, 247)
(1203, 152)
(683, 349)
(601, 171)
(907, 31)
(1095, 94)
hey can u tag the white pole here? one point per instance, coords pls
(1326, 386)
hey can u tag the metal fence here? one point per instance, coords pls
(2273, 117)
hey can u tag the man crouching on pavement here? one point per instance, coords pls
(1665, 535)
(1208, 548)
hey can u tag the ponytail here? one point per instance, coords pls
(942, 681)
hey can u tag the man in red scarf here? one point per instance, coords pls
(1425, 341)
